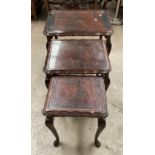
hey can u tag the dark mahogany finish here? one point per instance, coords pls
(77, 56)
(85, 22)
(78, 23)
(77, 71)
(76, 97)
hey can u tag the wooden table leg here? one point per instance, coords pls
(106, 78)
(101, 126)
(47, 47)
(50, 124)
(108, 44)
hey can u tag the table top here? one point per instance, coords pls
(77, 56)
(77, 23)
(76, 97)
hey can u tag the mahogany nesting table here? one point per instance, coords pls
(80, 57)
(76, 97)
(77, 71)
(78, 23)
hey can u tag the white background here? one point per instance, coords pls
(138, 83)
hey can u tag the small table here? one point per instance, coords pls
(76, 97)
(77, 57)
(78, 23)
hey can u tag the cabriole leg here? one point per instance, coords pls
(108, 44)
(50, 124)
(106, 78)
(107, 81)
(101, 126)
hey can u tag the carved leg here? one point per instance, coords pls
(101, 126)
(50, 125)
(108, 44)
(106, 80)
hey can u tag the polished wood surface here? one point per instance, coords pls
(77, 71)
(77, 56)
(76, 96)
(85, 22)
